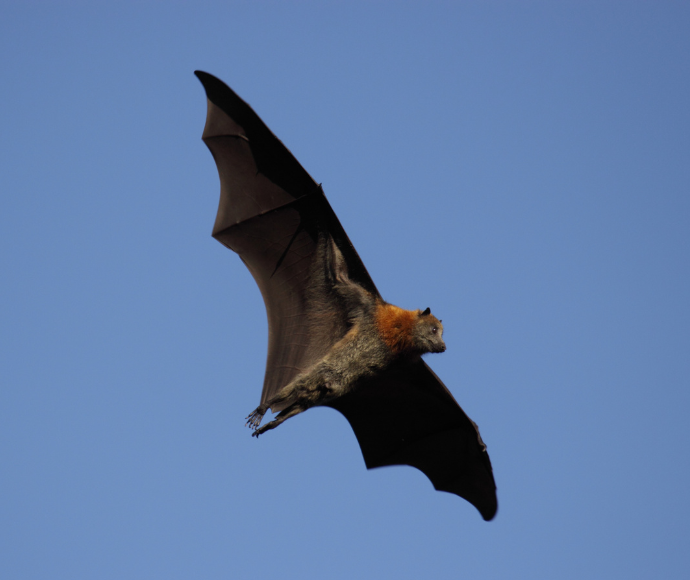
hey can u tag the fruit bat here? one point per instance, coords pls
(318, 293)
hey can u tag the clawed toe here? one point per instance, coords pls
(254, 418)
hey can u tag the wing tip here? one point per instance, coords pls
(482, 498)
(202, 76)
(488, 512)
(216, 90)
(480, 494)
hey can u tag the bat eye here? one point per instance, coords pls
(434, 330)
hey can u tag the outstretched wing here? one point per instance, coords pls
(409, 417)
(275, 216)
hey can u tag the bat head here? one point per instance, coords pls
(428, 333)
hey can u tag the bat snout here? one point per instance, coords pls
(440, 346)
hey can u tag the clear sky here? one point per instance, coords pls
(523, 168)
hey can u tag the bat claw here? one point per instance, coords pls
(254, 418)
(262, 430)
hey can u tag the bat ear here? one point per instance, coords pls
(426, 312)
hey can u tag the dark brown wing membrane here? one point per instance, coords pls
(408, 417)
(272, 213)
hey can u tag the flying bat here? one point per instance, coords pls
(332, 340)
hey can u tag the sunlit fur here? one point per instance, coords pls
(395, 326)
(408, 331)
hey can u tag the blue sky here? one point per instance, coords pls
(521, 168)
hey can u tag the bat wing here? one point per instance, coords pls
(273, 214)
(409, 417)
(276, 217)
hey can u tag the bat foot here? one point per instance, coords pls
(254, 418)
(266, 427)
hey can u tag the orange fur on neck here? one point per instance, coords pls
(395, 326)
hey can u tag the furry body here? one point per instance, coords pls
(379, 334)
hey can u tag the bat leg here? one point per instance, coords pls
(290, 411)
(254, 418)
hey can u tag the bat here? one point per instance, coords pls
(326, 319)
